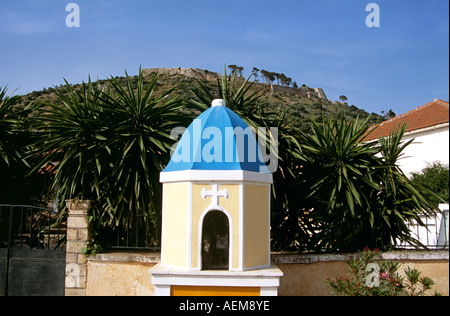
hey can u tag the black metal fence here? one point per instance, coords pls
(31, 227)
(32, 251)
(146, 237)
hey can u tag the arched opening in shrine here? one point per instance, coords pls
(215, 241)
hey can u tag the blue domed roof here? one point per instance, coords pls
(218, 139)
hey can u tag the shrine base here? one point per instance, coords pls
(170, 281)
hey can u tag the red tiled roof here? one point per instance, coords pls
(428, 115)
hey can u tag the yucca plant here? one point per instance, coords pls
(338, 176)
(334, 151)
(399, 201)
(236, 93)
(72, 137)
(139, 126)
(359, 196)
(290, 227)
(15, 137)
(109, 146)
(9, 127)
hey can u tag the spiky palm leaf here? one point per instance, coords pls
(236, 93)
(9, 127)
(109, 146)
(400, 202)
(72, 137)
(138, 144)
(359, 198)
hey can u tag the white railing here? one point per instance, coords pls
(436, 233)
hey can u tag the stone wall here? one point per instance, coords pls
(304, 274)
(77, 237)
(124, 274)
(127, 273)
(202, 74)
(196, 73)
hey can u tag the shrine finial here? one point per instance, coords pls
(218, 102)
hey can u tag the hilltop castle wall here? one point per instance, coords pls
(201, 74)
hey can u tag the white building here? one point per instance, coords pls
(428, 125)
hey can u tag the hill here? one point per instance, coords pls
(304, 103)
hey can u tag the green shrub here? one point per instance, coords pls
(371, 277)
(433, 182)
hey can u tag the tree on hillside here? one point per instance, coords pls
(255, 73)
(390, 114)
(285, 81)
(236, 70)
(277, 77)
(265, 75)
(343, 98)
(233, 69)
(239, 71)
(289, 81)
(271, 77)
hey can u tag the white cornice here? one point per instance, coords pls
(215, 175)
(427, 129)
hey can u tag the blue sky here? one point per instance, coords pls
(323, 43)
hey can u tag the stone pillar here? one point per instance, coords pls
(77, 237)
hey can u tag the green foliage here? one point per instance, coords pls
(70, 133)
(110, 140)
(111, 145)
(9, 127)
(235, 92)
(15, 136)
(369, 276)
(346, 194)
(338, 176)
(433, 182)
(399, 202)
(331, 192)
(138, 144)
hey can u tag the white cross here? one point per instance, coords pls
(215, 194)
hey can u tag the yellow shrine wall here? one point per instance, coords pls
(256, 219)
(174, 236)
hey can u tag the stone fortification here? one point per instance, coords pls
(202, 74)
